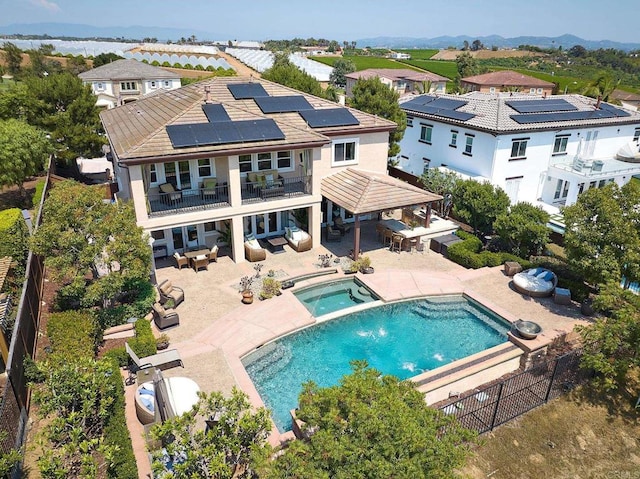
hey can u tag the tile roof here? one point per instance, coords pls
(362, 191)
(507, 78)
(491, 113)
(137, 130)
(127, 70)
(396, 74)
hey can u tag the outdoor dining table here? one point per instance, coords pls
(196, 251)
(404, 230)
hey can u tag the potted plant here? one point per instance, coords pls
(245, 289)
(364, 265)
(270, 288)
(162, 342)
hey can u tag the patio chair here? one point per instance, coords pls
(387, 237)
(200, 261)
(213, 254)
(340, 225)
(253, 252)
(163, 317)
(168, 291)
(333, 235)
(396, 243)
(164, 360)
(180, 260)
(171, 193)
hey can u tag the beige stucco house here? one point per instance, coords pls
(402, 80)
(506, 81)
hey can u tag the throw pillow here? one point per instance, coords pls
(297, 235)
(167, 188)
(147, 403)
(548, 276)
(249, 237)
(210, 183)
(268, 178)
(143, 392)
(166, 287)
(253, 177)
(254, 244)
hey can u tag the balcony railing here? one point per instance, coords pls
(253, 192)
(162, 204)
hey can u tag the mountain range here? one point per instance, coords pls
(166, 33)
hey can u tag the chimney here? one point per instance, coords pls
(207, 94)
(598, 102)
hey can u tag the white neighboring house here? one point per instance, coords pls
(541, 150)
(123, 81)
(402, 80)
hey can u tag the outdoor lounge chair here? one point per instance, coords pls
(164, 360)
(333, 234)
(213, 254)
(180, 260)
(170, 194)
(168, 291)
(254, 253)
(200, 261)
(298, 240)
(164, 318)
(535, 282)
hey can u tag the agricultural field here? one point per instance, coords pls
(365, 62)
(419, 54)
(444, 68)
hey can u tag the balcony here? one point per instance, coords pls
(255, 192)
(183, 201)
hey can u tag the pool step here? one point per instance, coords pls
(426, 309)
(274, 358)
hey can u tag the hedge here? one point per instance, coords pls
(72, 334)
(116, 434)
(144, 343)
(37, 196)
(468, 253)
(13, 235)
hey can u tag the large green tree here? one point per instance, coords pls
(228, 447)
(23, 152)
(94, 248)
(442, 183)
(12, 57)
(479, 204)
(372, 426)
(602, 238)
(373, 96)
(611, 345)
(340, 68)
(467, 65)
(524, 229)
(286, 73)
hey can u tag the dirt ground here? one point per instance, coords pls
(484, 54)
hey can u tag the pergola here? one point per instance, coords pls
(363, 192)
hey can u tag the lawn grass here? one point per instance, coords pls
(585, 434)
(440, 67)
(364, 62)
(419, 54)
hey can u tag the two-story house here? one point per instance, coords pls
(537, 149)
(506, 81)
(231, 156)
(401, 80)
(124, 81)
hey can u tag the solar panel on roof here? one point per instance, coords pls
(328, 117)
(438, 102)
(618, 112)
(282, 104)
(223, 132)
(244, 91)
(215, 112)
(442, 112)
(542, 105)
(602, 113)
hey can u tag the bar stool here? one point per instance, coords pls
(388, 235)
(413, 245)
(396, 242)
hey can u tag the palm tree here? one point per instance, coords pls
(603, 86)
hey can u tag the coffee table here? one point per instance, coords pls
(276, 244)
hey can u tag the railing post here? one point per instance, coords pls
(553, 377)
(495, 411)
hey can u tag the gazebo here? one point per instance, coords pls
(363, 192)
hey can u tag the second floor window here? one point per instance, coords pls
(284, 160)
(409, 121)
(560, 145)
(264, 161)
(426, 132)
(128, 86)
(636, 135)
(204, 167)
(245, 163)
(518, 148)
(454, 139)
(468, 147)
(344, 152)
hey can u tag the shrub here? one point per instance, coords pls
(116, 433)
(460, 253)
(118, 355)
(37, 195)
(73, 334)
(270, 288)
(144, 343)
(468, 254)
(14, 236)
(139, 298)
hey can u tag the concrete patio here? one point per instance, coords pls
(216, 329)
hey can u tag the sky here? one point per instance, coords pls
(341, 20)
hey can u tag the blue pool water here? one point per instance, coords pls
(402, 339)
(333, 296)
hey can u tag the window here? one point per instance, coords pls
(425, 133)
(128, 86)
(153, 173)
(409, 121)
(492, 89)
(560, 145)
(345, 152)
(518, 148)
(454, 139)
(245, 163)
(468, 147)
(209, 226)
(636, 135)
(204, 167)
(425, 164)
(284, 160)
(154, 84)
(264, 161)
(540, 90)
(100, 86)
(532, 90)
(167, 83)
(157, 234)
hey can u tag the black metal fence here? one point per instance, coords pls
(491, 406)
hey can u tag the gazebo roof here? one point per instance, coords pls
(361, 191)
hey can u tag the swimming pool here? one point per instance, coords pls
(329, 297)
(403, 339)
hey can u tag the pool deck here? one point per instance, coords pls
(216, 329)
